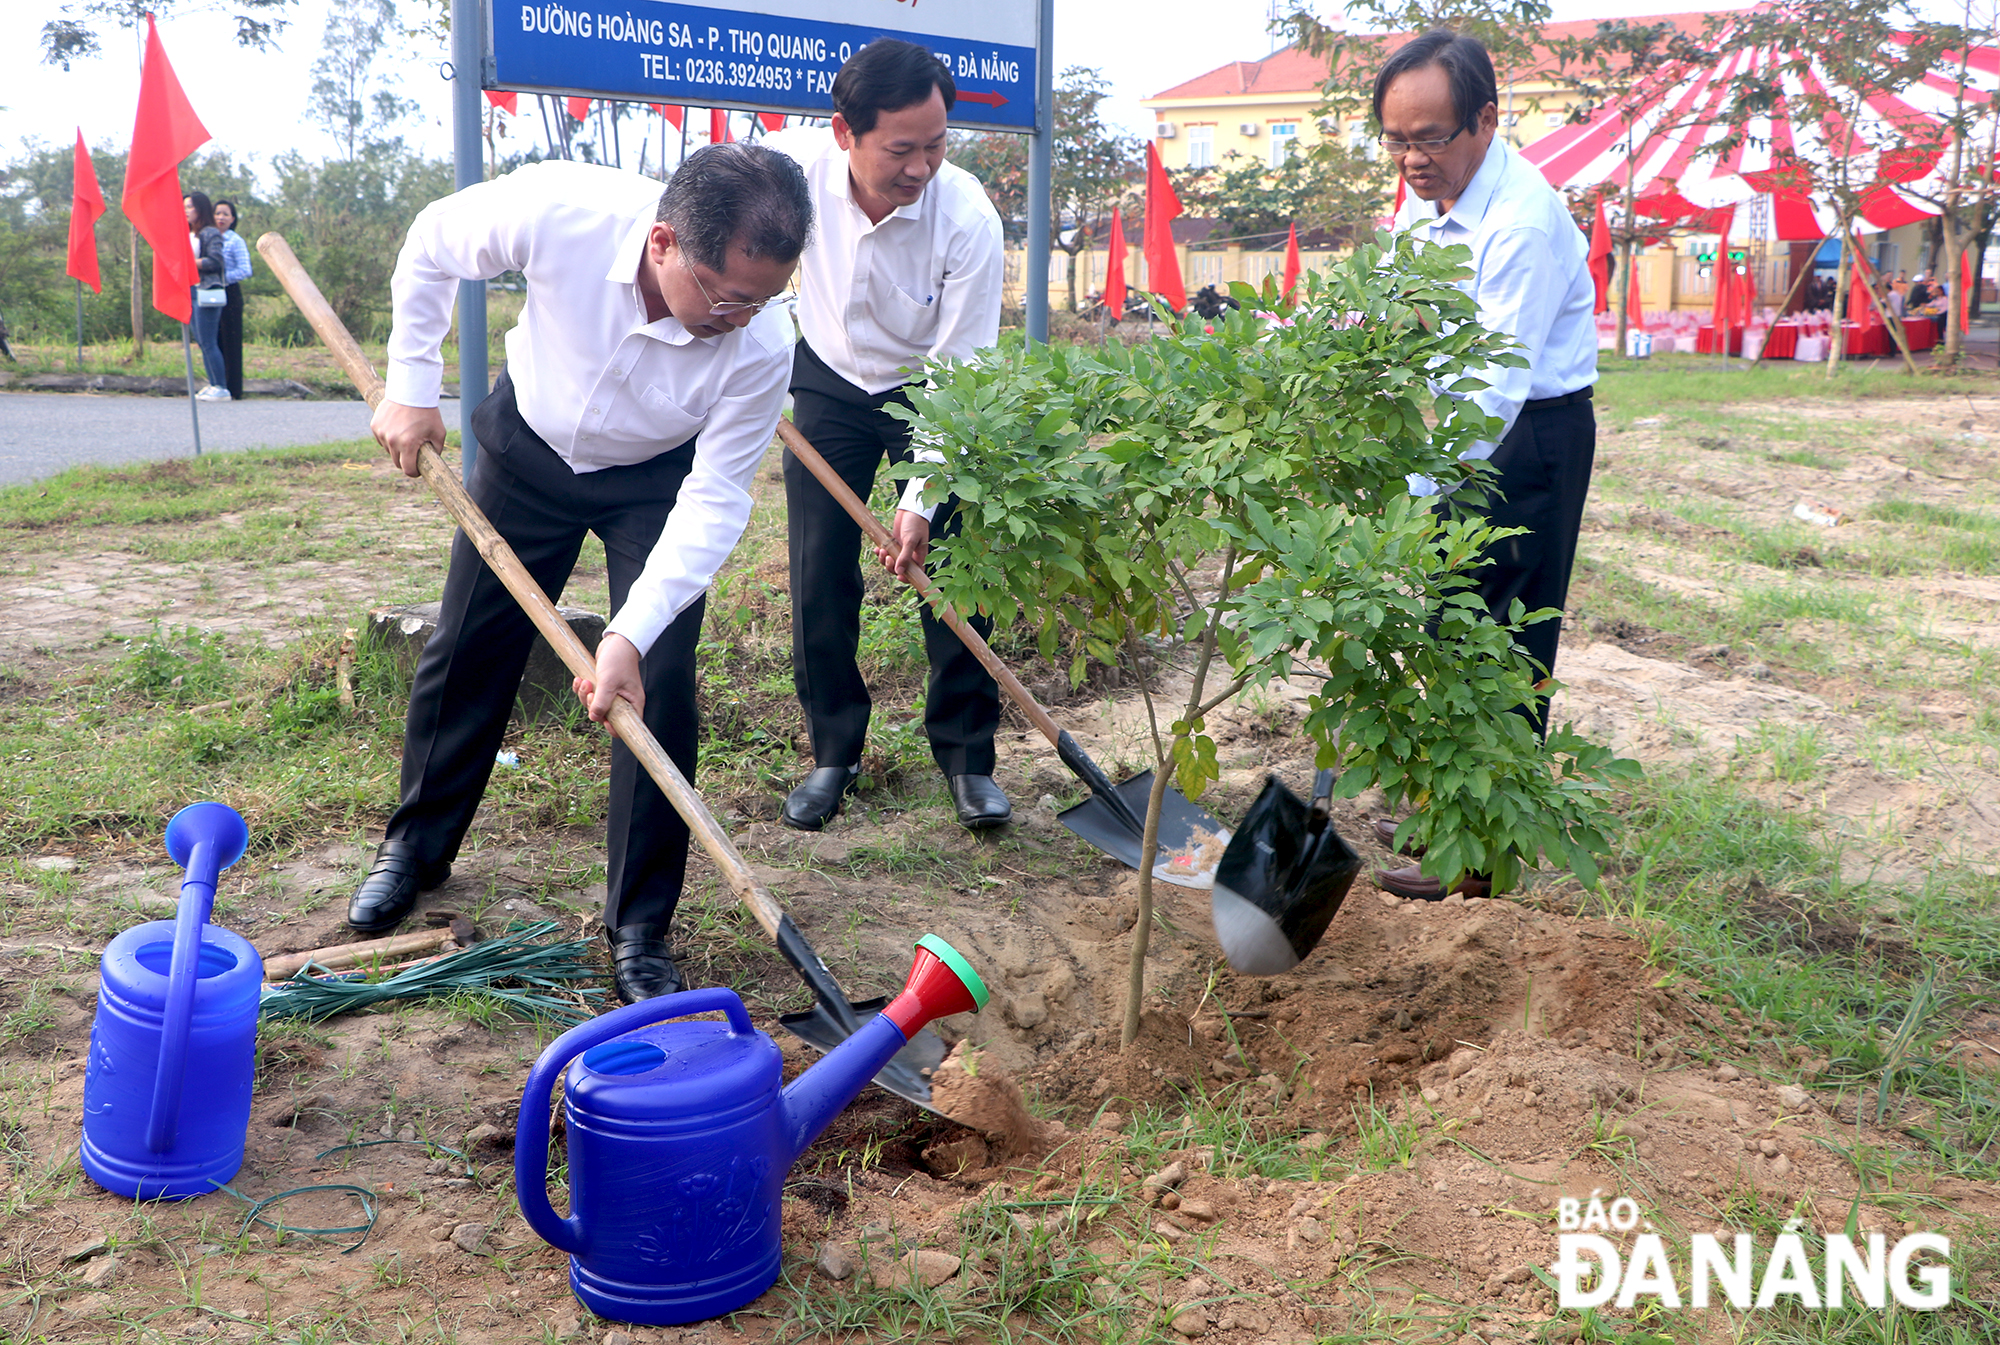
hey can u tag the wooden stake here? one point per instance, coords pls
(353, 954)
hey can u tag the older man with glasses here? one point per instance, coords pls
(1438, 108)
(642, 389)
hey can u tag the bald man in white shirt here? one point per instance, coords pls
(1436, 102)
(906, 267)
(643, 386)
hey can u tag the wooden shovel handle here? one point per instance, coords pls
(803, 450)
(625, 720)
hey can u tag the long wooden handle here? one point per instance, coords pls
(803, 450)
(625, 720)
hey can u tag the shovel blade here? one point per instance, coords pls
(908, 1072)
(1191, 841)
(1279, 884)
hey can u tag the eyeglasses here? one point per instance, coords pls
(727, 306)
(1399, 148)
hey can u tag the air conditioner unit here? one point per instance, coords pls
(1248, 128)
(1165, 130)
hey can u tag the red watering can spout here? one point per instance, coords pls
(941, 983)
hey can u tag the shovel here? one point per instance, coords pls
(832, 1019)
(1281, 879)
(1111, 818)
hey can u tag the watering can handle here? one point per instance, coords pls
(204, 839)
(531, 1129)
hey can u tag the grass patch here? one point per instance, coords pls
(1860, 989)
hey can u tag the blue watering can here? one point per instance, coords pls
(680, 1138)
(166, 1097)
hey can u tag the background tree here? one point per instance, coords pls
(351, 100)
(1621, 70)
(76, 33)
(1345, 182)
(1091, 167)
(346, 219)
(1823, 61)
(1964, 194)
(1330, 186)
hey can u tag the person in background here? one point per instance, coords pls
(906, 268)
(210, 297)
(1919, 295)
(1436, 105)
(235, 270)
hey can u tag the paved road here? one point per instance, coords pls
(42, 433)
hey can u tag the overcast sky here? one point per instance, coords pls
(253, 103)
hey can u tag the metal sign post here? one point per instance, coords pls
(1040, 163)
(468, 51)
(779, 56)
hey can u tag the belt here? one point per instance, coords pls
(1544, 403)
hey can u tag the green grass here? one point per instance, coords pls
(1670, 385)
(1763, 923)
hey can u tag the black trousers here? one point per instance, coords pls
(1544, 474)
(229, 332)
(853, 433)
(470, 671)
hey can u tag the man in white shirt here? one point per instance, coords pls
(1438, 107)
(643, 385)
(906, 267)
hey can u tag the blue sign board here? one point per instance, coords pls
(782, 61)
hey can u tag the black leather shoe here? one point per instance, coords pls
(390, 889)
(816, 801)
(640, 966)
(981, 805)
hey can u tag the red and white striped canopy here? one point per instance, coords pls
(1896, 143)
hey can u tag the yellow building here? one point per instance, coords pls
(1265, 109)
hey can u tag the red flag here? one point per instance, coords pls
(1292, 266)
(1600, 260)
(1722, 308)
(718, 126)
(1962, 297)
(671, 111)
(1402, 193)
(1163, 265)
(579, 108)
(1114, 268)
(1859, 310)
(1635, 309)
(165, 132)
(86, 203)
(506, 102)
(773, 121)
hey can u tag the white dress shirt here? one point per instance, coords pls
(878, 299)
(1531, 280)
(604, 387)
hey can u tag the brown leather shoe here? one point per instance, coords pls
(1413, 884)
(1385, 832)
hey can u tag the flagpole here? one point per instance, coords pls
(194, 407)
(79, 326)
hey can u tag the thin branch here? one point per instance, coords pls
(1225, 694)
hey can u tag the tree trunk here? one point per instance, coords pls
(1142, 929)
(1954, 251)
(1837, 345)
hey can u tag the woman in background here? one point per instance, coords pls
(235, 270)
(209, 295)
